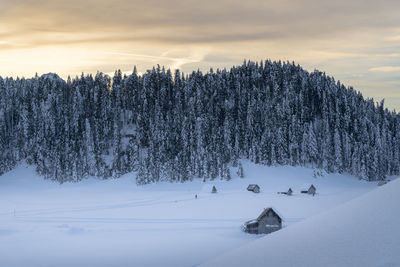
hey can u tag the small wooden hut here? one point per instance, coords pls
(269, 221)
(312, 190)
(214, 190)
(289, 192)
(254, 188)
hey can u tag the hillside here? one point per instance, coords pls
(173, 127)
(361, 232)
(114, 222)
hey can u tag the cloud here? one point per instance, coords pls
(175, 62)
(217, 58)
(190, 21)
(386, 69)
(343, 38)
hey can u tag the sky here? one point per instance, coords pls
(357, 42)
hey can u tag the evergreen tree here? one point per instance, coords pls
(174, 127)
(240, 171)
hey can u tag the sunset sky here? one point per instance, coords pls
(357, 42)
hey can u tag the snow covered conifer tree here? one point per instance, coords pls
(227, 173)
(240, 171)
(194, 125)
(338, 152)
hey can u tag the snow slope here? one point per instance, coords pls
(116, 223)
(362, 232)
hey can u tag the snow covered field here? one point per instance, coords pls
(116, 223)
(362, 232)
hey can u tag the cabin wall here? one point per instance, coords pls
(268, 224)
(252, 229)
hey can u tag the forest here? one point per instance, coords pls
(168, 126)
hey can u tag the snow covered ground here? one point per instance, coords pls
(362, 232)
(116, 223)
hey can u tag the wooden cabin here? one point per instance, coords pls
(289, 192)
(269, 221)
(214, 190)
(312, 190)
(254, 188)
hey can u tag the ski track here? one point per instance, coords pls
(130, 204)
(123, 220)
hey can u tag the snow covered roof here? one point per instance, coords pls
(252, 186)
(265, 212)
(251, 222)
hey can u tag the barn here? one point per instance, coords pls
(269, 221)
(254, 188)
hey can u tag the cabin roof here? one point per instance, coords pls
(312, 187)
(251, 222)
(252, 186)
(265, 211)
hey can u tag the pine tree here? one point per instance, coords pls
(240, 171)
(338, 152)
(227, 173)
(176, 127)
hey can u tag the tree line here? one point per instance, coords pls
(165, 125)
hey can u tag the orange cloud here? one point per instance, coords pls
(347, 39)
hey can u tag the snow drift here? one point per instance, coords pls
(361, 232)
